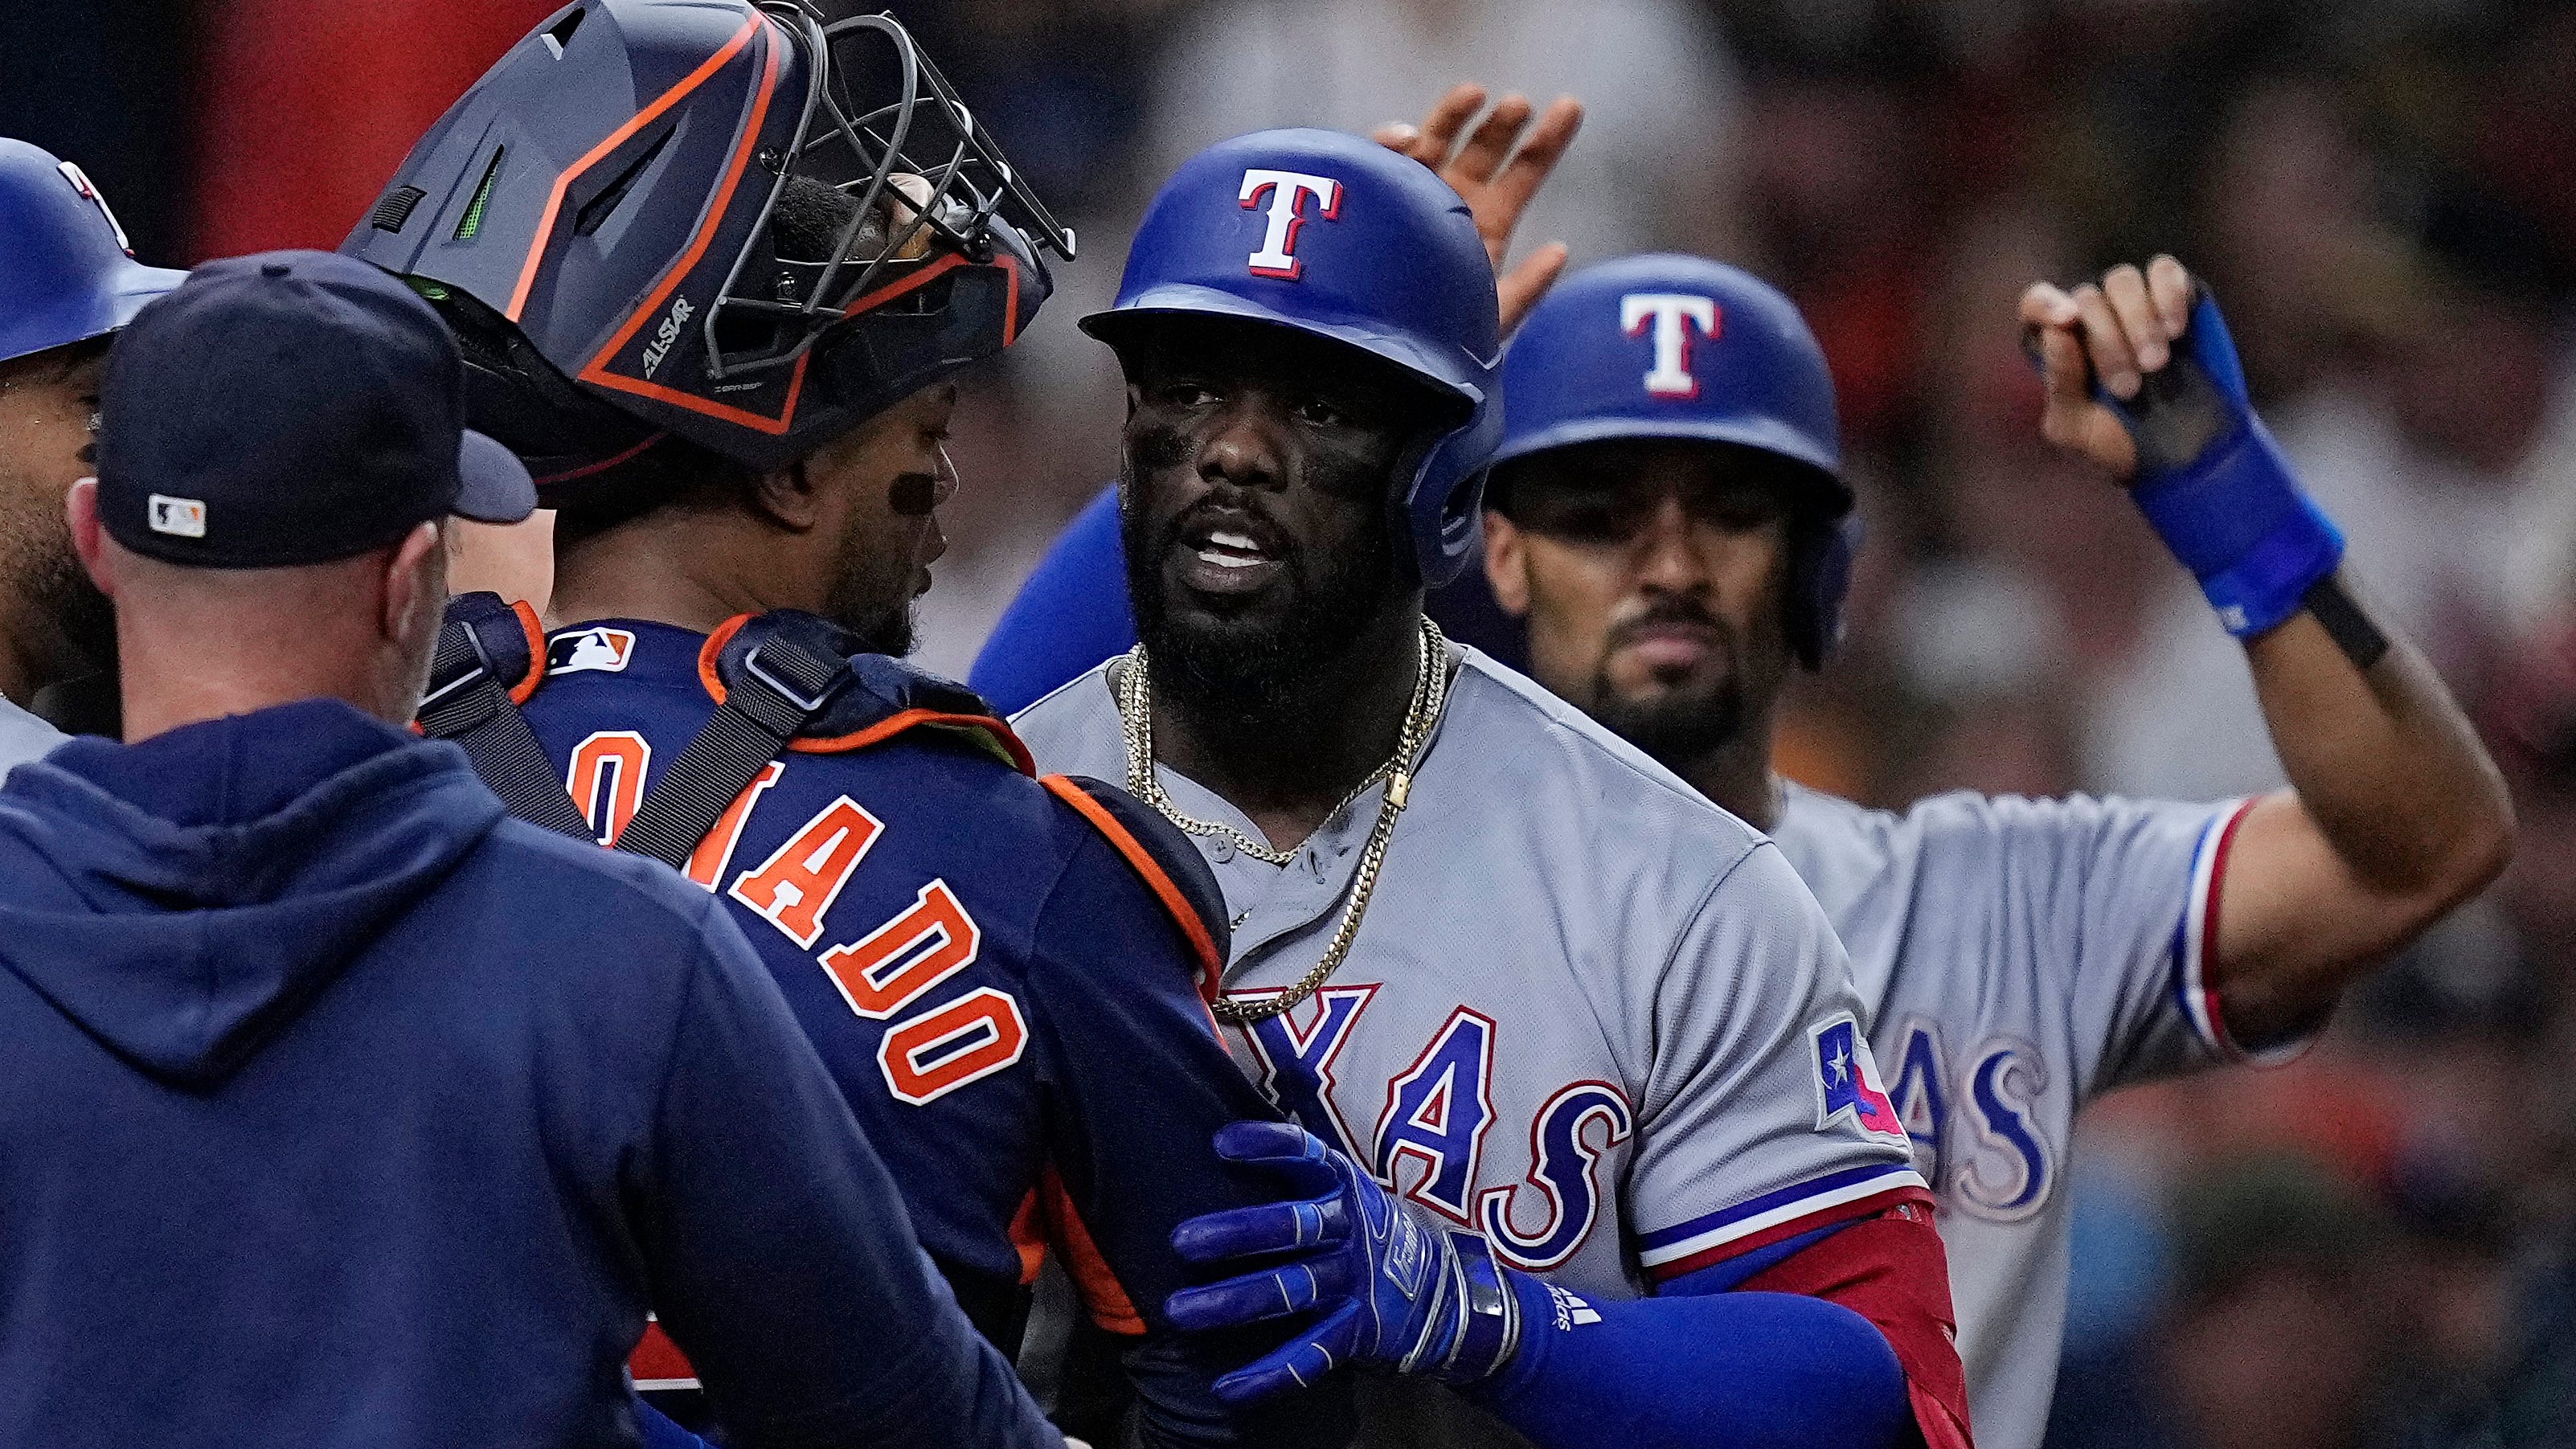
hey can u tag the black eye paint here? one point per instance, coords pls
(915, 495)
(1157, 447)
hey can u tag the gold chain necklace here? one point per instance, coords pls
(1430, 691)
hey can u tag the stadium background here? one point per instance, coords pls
(2376, 1246)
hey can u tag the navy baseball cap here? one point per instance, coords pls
(292, 407)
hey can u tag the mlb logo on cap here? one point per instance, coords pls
(178, 517)
(329, 422)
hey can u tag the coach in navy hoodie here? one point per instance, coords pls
(336, 1107)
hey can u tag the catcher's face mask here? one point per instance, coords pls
(616, 190)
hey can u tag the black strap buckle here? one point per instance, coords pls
(440, 691)
(808, 699)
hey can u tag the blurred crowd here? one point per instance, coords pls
(2375, 1245)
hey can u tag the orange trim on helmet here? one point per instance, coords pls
(536, 631)
(663, 102)
(603, 465)
(786, 418)
(595, 371)
(1010, 299)
(1142, 860)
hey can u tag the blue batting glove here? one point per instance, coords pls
(1392, 1291)
(2217, 488)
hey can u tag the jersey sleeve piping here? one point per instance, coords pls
(2195, 949)
(1801, 1207)
(1150, 870)
(1102, 1294)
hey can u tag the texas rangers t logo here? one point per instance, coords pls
(81, 183)
(1673, 314)
(1278, 254)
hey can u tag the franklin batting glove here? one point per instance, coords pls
(1392, 1292)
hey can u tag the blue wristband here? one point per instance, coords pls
(2236, 518)
(1489, 1314)
(2215, 487)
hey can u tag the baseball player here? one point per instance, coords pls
(67, 283)
(1547, 997)
(1669, 518)
(734, 380)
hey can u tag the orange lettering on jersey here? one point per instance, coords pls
(967, 1040)
(707, 863)
(795, 886)
(606, 778)
(894, 964)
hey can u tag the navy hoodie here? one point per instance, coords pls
(337, 1108)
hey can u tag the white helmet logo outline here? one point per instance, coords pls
(1278, 254)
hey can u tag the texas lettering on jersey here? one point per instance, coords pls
(2016, 959)
(1436, 1116)
(1619, 1084)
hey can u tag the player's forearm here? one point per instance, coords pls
(2385, 764)
(1754, 1370)
(2396, 815)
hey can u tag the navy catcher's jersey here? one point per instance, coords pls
(1000, 973)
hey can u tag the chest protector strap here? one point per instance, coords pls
(781, 680)
(490, 658)
(786, 679)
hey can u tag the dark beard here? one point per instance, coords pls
(86, 616)
(1241, 673)
(57, 589)
(1681, 726)
(1676, 730)
(856, 603)
(877, 630)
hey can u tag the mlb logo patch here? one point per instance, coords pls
(591, 651)
(178, 517)
(1847, 1080)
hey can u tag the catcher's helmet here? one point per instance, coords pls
(66, 274)
(605, 196)
(1668, 346)
(1341, 238)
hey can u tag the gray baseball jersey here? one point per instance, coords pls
(2018, 958)
(1588, 1012)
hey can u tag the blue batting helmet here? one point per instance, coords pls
(66, 274)
(615, 194)
(1669, 346)
(1340, 238)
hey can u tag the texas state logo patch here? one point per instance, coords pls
(1847, 1081)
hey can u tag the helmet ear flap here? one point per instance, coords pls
(1820, 568)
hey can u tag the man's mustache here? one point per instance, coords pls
(1665, 611)
(1273, 537)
